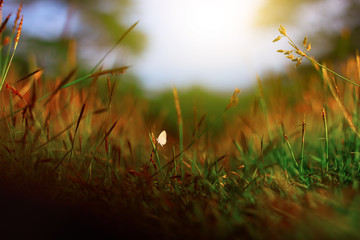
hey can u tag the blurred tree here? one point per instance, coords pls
(91, 28)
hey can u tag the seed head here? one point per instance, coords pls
(290, 57)
(177, 105)
(305, 41)
(3, 25)
(19, 30)
(301, 53)
(277, 39)
(234, 99)
(282, 30)
(14, 91)
(308, 47)
(17, 17)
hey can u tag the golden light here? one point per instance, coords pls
(197, 41)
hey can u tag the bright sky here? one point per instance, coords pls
(202, 42)
(208, 42)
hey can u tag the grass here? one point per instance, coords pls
(85, 161)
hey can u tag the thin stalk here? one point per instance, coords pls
(193, 164)
(291, 152)
(326, 139)
(302, 54)
(355, 113)
(263, 107)
(340, 104)
(329, 70)
(181, 131)
(16, 41)
(92, 71)
(175, 167)
(239, 148)
(5, 64)
(303, 129)
(181, 147)
(7, 69)
(157, 156)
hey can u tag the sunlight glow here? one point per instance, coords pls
(199, 42)
(206, 29)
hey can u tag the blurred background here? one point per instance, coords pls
(212, 44)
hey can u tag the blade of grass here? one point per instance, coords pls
(303, 129)
(345, 112)
(92, 71)
(154, 149)
(3, 24)
(329, 70)
(291, 152)
(264, 108)
(62, 83)
(181, 132)
(8, 63)
(54, 137)
(108, 132)
(239, 148)
(326, 160)
(28, 76)
(76, 129)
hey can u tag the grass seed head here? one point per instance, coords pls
(300, 53)
(288, 53)
(177, 105)
(277, 39)
(153, 138)
(282, 30)
(305, 41)
(234, 99)
(18, 32)
(17, 17)
(3, 25)
(14, 91)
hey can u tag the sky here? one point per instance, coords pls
(205, 42)
(212, 43)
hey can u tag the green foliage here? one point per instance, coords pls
(196, 102)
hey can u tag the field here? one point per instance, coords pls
(80, 154)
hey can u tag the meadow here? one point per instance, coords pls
(80, 155)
